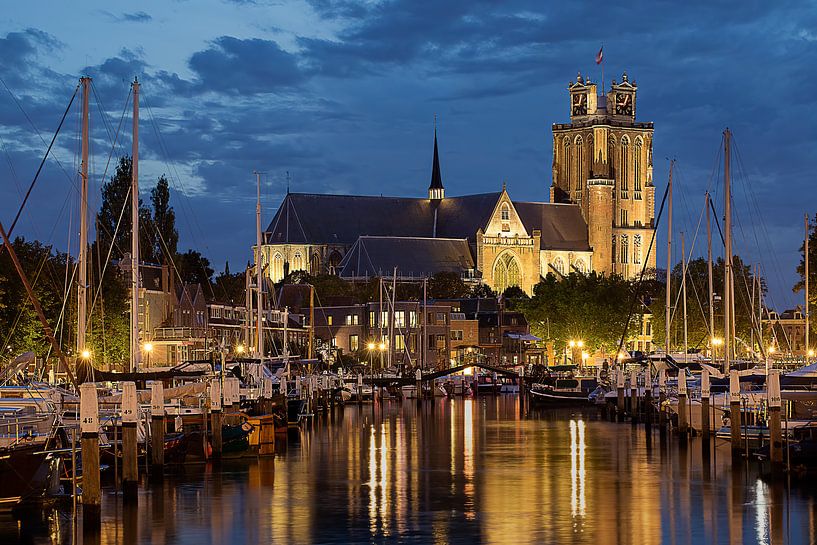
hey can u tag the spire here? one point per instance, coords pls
(436, 191)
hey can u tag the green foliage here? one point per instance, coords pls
(698, 304)
(45, 270)
(812, 267)
(116, 202)
(194, 268)
(446, 285)
(165, 237)
(229, 287)
(482, 291)
(592, 308)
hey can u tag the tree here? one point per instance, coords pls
(482, 291)
(812, 268)
(165, 235)
(593, 308)
(116, 202)
(698, 310)
(446, 285)
(194, 268)
(229, 287)
(513, 295)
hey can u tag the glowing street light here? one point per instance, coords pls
(771, 350)
(580, 344)
(147, 347)
(370, 346)
(239, 349)
(811, 353)
(717, 341)
(85, 354)
(381, 346)
(572, 343)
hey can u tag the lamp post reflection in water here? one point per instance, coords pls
(577, 473)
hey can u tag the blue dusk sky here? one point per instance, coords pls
(343, 95)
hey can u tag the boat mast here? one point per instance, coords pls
(727, 260)
(668, 302)
(259, 347)
(710, 279)
(805, 261)
(684, 294)
(82, 280)
(134, 238)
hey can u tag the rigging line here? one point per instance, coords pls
(169, 164)
(636, 291)
(40, 168)
(20, 107)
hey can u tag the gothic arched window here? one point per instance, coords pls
(506, 272)
(625, 248)
(611, 156)
(315, 263)
(297, 262)
(637, 249)
(625, 167)
(559, 265)
(579, 167)
(637, 166)
(277, 272)
(580, 266)
(566, 165)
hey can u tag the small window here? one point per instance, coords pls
(412, 318)
(441, 317)
(399, 318)
(329, 320)
(372, 318)
(354, 343)
(505, 213)
(456, 334)
(399, 342)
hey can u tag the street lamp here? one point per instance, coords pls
(85, 354)
(239, 349)
(147, 348)
(371, 347)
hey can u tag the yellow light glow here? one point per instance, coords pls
(239, 349)
(622, 355)
(370, 346)
(147, 347)
(468, 371)
(585, 355)
(572, 344)
(811, 353)
(86, 354)
(580, 344)
(381, 346)
(717, 341)
(771, 350)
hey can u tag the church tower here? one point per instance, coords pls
(602, 161)
(436, 191)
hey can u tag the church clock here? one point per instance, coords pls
(579, 104)
(624, 104)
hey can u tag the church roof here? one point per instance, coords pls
(305, 218)
(413, 257)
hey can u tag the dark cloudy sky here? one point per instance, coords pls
(343, 95)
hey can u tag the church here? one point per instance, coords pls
(600, 216)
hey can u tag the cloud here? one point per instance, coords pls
(246, 66)
(134, 17)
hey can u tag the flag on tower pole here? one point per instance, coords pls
(600, 60)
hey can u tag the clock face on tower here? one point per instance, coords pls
(624, 104)
(579, 104)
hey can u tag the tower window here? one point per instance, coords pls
(637, 168)
(506, 212)
(625, 167)
(624, 218)
(625, 247)
(637, 249)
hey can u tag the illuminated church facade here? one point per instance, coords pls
(599, 218)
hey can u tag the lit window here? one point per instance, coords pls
(354, 343)
(506, 213)
(329, 320)
(399, 342)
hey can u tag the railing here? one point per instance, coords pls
(508, 241)
(179, 333)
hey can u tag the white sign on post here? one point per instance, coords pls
(620, 378)
(775, 399)
(633, 380)
(215, 395)
(235, 391)
(662, 378)
(266, 389)
(157, 398)
(734, 387)
(682, 382)
(130, 407)
(88, 408)
(705, 387)
(418, 374)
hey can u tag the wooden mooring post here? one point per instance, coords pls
(662, 398)
(705, 410)
(157, 427)
(634, 397)
(620, 391)
(89, 428)
(647, 402)
(683, 411)
(130, 455)
(216, 418)
(775, 434)
(734, 413)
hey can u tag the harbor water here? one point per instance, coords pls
(452, 471)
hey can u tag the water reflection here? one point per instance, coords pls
(466, 471)
(577, 473)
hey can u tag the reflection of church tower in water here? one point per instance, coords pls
(602, 161)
